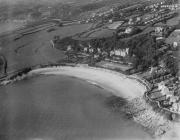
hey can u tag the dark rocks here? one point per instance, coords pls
(142, 113)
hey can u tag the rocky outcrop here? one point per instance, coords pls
(142, 113)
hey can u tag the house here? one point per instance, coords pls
(85, 49)
(130, 22)
(175, 44)
(115, 25)
(89, 45)
(138, 19)
(110, 21)
(96, 56)
(175, 107)
(98, 50)
(132, 30)
(69, 48)
(162, 64)
(112, 53)
(164, 90)
(91, 50)
(128, 30)
(120, 52)
(160, 38)
(160, 28)
(153, 70)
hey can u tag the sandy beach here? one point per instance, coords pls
(117, 83)
(121, 86)
(59, 107)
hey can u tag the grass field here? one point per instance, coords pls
(98, 33)
(33, 49)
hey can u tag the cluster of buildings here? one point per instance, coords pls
(171, 100)
(144, 13)
(166, 85)
(97, 52)
(157, 18)
(151, 15)
(174, 38)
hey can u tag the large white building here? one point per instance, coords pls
(120, 52)
(164, 90)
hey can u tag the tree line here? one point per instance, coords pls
(143, 49)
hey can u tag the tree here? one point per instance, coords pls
(171, 64)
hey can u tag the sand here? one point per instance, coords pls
(117, 83)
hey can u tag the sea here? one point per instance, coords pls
(53, 107)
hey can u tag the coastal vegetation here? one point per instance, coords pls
(143, 49)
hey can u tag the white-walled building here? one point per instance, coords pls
(120, 52)
(164, 90)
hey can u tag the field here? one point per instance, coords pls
(35, 48)
(174, 37)
(6, 27)
(96, 33)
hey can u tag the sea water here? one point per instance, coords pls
(62, 108)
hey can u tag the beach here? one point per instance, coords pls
(61, 107)
(118, 85)
(115, 82)
(121, 86)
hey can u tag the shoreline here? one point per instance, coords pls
(118, 84)
(115, 82)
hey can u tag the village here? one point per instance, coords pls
(140, 40)
(95, 69)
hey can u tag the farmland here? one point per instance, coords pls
(35, 48)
